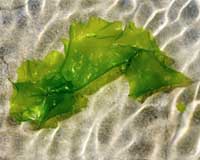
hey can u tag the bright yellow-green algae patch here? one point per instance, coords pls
(96, 53)
(181, 107)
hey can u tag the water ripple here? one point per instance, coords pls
(113, 127)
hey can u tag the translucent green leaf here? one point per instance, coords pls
(92, 51)
(142, 39)
(147, 75)
(41, 91)
(34, 70)
(96, 53)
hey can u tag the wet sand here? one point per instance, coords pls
(113, 126)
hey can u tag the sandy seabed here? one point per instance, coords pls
(113, 127)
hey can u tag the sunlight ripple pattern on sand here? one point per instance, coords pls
(113, 127)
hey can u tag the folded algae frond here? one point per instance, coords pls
(96, 53)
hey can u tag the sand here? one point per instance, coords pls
(113, 127)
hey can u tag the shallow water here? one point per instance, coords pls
(113, 127)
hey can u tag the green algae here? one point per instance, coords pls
(181, 107)
(96, 53)
(152, 76)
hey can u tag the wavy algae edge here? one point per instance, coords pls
(97, 52)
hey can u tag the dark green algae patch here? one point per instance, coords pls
(96, 53)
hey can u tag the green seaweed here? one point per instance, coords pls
(96, 53)
(181, 107)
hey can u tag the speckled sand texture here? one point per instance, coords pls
(113, 127)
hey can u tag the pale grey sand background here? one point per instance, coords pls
(113, 127)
